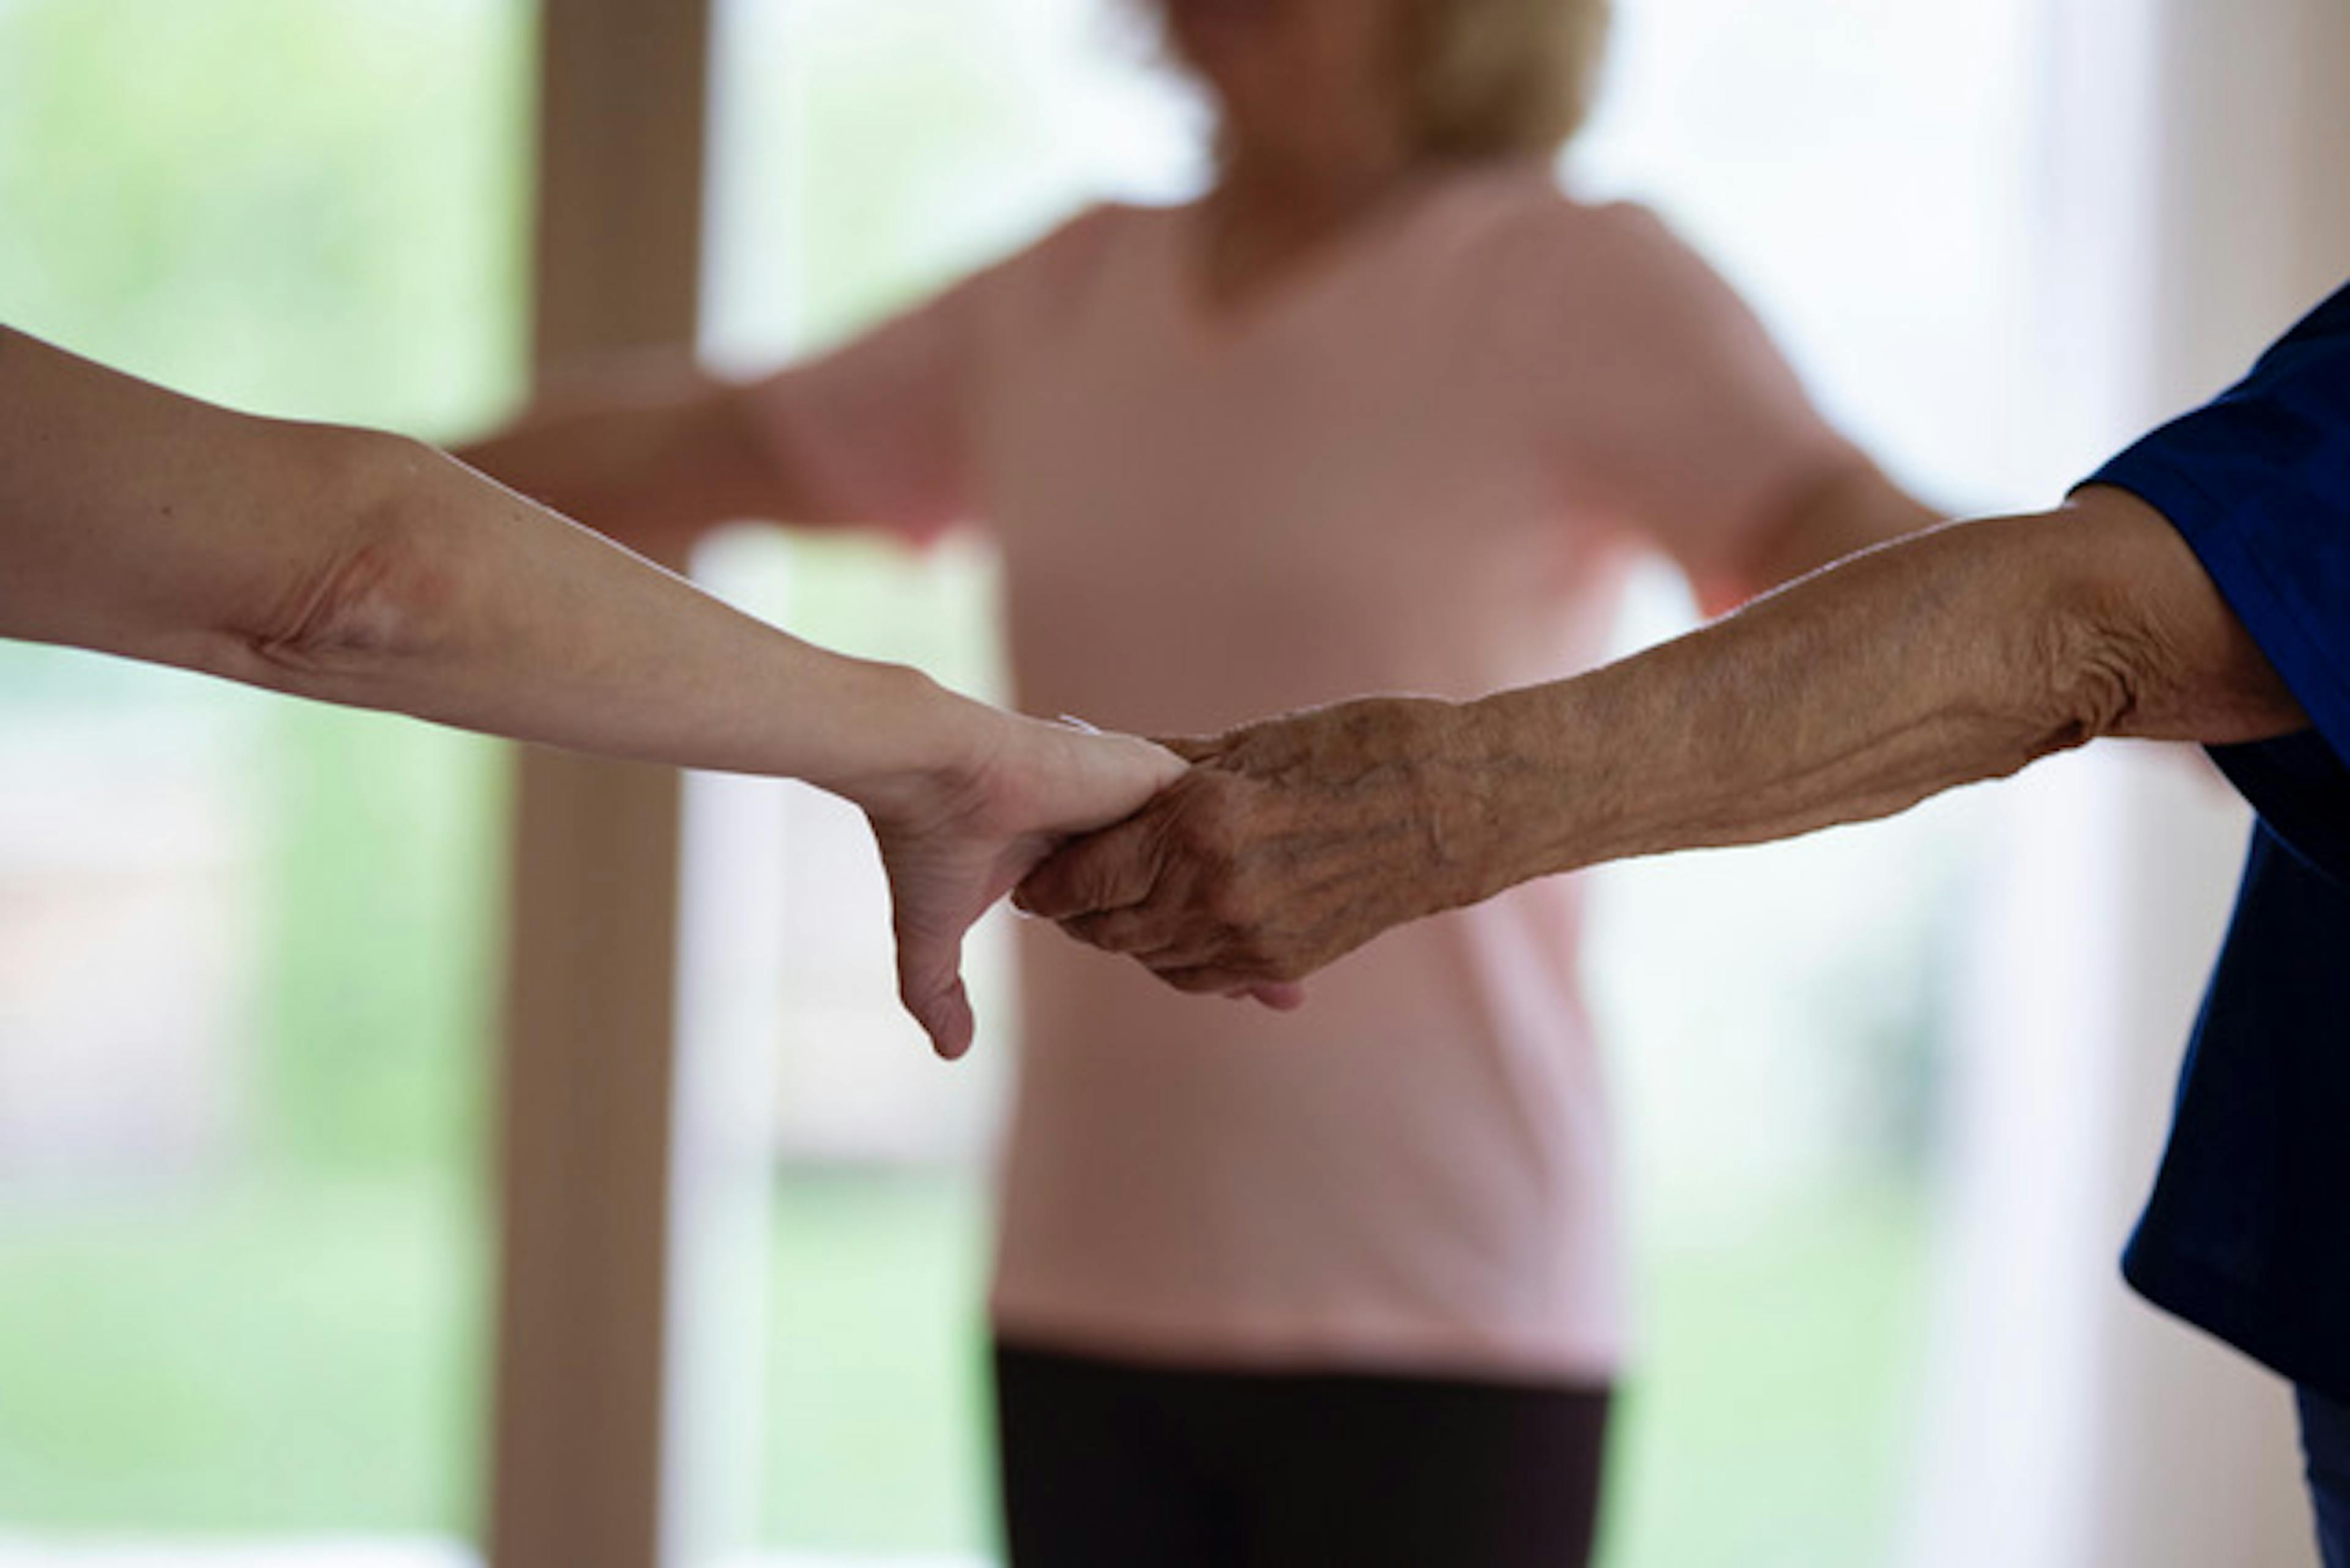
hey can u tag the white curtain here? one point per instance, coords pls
(2197, 158)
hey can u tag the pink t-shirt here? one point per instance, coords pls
(1416, 464)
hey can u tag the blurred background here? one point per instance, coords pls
(1890, 1094)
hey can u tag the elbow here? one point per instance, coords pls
(2046, 651)
(379, 589)
(2090, 701)
(2094, 657)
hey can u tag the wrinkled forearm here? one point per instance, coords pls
(1960, 655)
(1955, 655)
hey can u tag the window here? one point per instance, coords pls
(862, 156)
(247, 945)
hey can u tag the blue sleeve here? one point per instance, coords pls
(2258, 482)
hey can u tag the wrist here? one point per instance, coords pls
(914, 740)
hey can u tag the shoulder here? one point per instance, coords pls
(1575, 282)
(1073, 258)
(1522, 216)
(1548, 260)
(1625, 253)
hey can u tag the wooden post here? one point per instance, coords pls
(589, 1067)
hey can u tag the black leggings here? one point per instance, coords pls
(1108, 1465)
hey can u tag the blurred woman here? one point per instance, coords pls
(1383, 409)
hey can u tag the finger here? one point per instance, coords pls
(1113, 870)
(1202, 980)
(950, 1022)
(929, 984)
(1215, 980)
(1143, 930)
(1192, 748)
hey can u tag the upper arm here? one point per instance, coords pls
(887, 428)
(881, 429)
(2145, 624)
(1670, 406)
(136, 521)
(1846, 510)
(654, 450)
(2254, 487)
(647, 448)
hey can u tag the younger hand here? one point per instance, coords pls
(957, 839)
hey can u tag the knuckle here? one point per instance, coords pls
(1092, 885)
(1227, 903)
(1251, 895)
(1218, 814)
(1124, 935)
(1093, 930)
(1261, 958)
(1075, 882)
(1045, 890)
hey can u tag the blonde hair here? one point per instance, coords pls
(1499, 77)
(1485, 78)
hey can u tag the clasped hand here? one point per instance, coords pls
(1287, 844)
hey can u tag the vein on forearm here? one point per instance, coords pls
(1854, 694)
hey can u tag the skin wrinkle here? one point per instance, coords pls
(2125, 660)
(349, 613)
(1890, 775)
(358, 606)
(1795, 773)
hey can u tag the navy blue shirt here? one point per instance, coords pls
(2248, 1232)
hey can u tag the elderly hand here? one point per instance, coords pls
(1289, 843)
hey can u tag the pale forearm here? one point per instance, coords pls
(454, 600)
(360, 567)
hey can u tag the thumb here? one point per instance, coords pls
(930, 983)
(1112, 869)
(1192, 748)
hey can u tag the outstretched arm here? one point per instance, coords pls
(1961, 654)
(360, 568)
(653, 451)
(648, 448)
